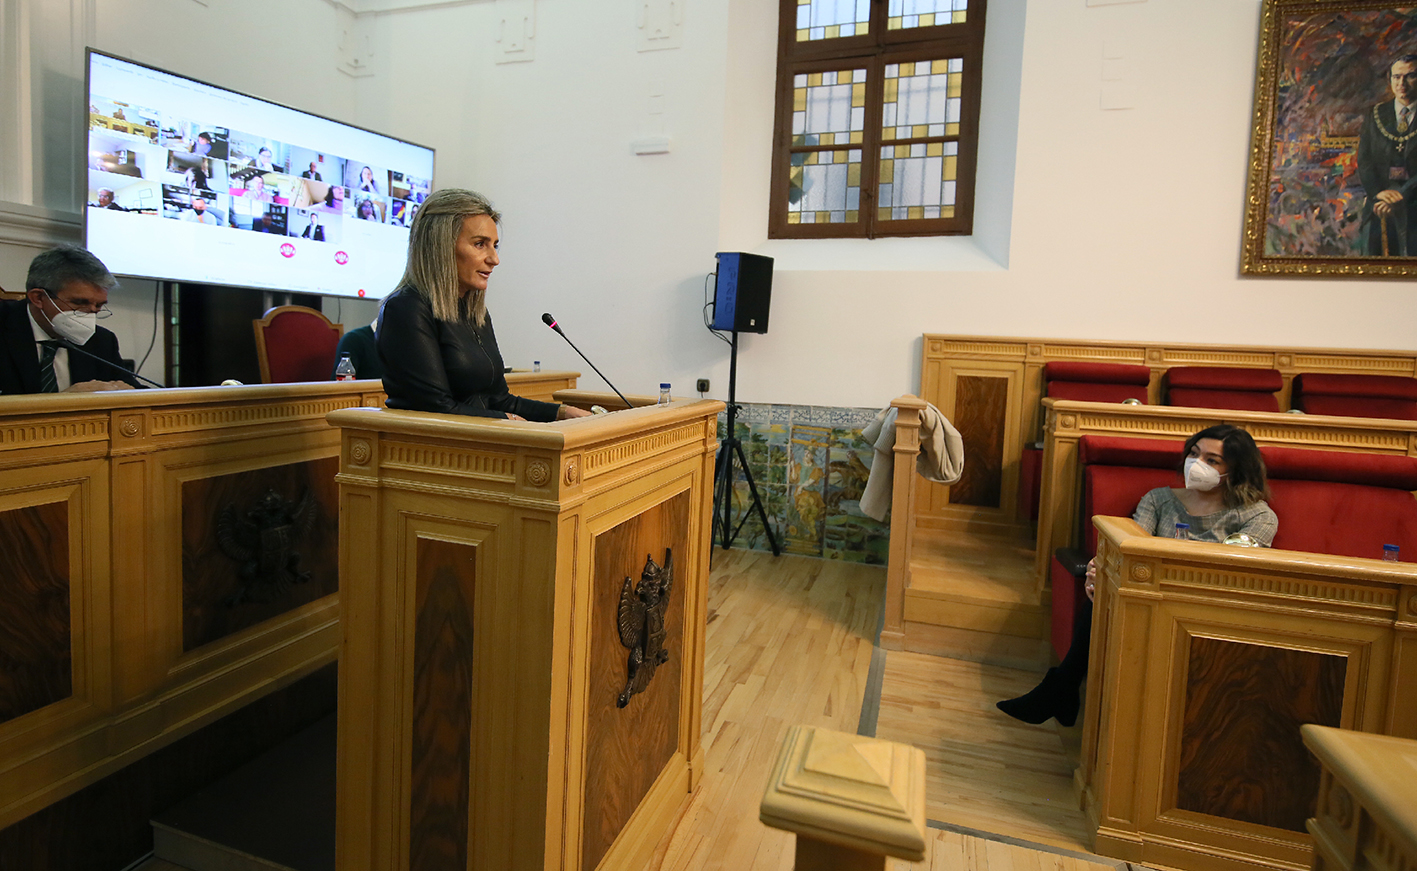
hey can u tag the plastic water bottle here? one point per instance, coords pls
(345, 370)
(1390, 553)
(1183, 531)
(536, 365)
(664, 393)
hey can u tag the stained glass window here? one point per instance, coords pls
(832, 19)
(878, 135)
(905, 14)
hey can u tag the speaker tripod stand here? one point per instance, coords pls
(730, 448)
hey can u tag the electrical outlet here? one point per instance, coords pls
(702, 385)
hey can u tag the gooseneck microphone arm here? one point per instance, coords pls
(551, 322)
(73, 348)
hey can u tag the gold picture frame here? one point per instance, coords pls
(1328, 144)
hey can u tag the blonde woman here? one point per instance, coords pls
(434, 335)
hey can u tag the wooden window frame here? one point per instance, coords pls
(873, 51)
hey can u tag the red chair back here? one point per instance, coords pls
(295, 343)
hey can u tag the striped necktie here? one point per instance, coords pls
(48, 381)
(1404, 119)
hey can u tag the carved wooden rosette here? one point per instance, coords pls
(849, 798)
(1235, 649)
(485, 732)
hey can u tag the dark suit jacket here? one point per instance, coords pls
(313, 176)
(1381, 150)
(19, 359)
(319, 233)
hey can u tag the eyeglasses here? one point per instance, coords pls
(98, 311)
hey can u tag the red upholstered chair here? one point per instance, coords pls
(1116, 473)
(1343, 503)
(1235, 388)
(1386, 396)
(295, 343)
(1095, 382)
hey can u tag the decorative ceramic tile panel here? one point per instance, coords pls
(810, 464)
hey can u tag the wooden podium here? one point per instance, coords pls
(488, 572)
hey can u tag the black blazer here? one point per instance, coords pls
(453, 368)
(19, 359)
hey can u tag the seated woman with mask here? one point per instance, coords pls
(1225, 494)
(434, 335)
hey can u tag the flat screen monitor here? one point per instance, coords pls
(191, 182)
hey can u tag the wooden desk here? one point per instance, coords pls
(1206, 660)
(482, 565)
(151, 585)
(1367, 808)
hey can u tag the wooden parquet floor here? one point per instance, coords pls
(790, 641)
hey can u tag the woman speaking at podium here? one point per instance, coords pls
(434, 334)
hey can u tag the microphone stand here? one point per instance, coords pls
(730, 447)
(71, 347)
(553, 325)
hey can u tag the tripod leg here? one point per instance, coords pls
(757, 503)
(723, 494)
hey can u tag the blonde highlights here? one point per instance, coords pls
(432, 268)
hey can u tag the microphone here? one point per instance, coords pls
(73, 348)
(551, 322)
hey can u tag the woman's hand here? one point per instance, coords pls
(511, 416)
(566, 412)
(1089, 586)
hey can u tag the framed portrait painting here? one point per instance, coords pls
(1333, 157)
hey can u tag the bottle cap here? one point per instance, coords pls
(664, 385)
(1391, 548)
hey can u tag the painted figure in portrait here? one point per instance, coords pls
(1336, 104)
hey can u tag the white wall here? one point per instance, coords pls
(1091, 223)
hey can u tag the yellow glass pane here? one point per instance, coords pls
(804, 2)
(801, 36)
(834, 31)
(887, 171)
(920, 130)
(959, 17)
(948, 172)
(883, 213)
(907, 69)
(956, 83)
(927, 20)
(858, 94)
(794, 218)
(828, 139)
(915, 213)
(811, 159)
(892, 90)
(856, 137)
(947, 211)
(840, 157)
(893, 23)
(902, 151)
(934, 149)
(853, 175)
(887, 132)
(862, 28)
(824, 217)
(799, 99)
(851, 217)
(814, 80)
(952, 128)
(939, 67)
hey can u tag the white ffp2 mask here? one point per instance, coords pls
(77, 327)
(1200, 476)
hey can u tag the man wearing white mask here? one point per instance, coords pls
(66, 295)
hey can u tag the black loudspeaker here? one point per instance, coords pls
(742, 293)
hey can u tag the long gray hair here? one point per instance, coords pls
(432, 268)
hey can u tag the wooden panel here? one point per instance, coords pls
(628, 747)
(1241, 753)
(222, 587)
(442, 705)
(35, 653)
(981, 404)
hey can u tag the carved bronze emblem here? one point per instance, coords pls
(641, 622)
(263, 542)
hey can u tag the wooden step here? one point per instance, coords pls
(276, 813)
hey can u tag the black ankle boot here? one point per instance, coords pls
(1055, 696)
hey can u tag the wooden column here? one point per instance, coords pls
(491, 572)
(1367, 808)
(852, 800)
(903, 486)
